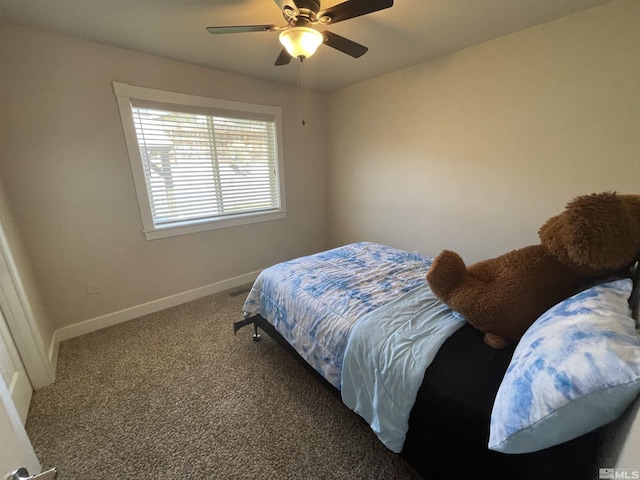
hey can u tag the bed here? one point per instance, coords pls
(362, 319)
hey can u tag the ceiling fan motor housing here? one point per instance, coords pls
(307, 13)
(312, 5)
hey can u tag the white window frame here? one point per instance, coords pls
(124, 93)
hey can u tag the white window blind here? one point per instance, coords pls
(202, 161)
(200, 166)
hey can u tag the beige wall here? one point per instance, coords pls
(66, 173)
(475, 150)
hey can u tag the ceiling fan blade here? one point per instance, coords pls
(284, 58)
(344, 44)
(351, 9)
(242, 29)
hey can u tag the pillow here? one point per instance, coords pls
(575, 369)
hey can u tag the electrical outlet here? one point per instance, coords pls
(92, 288)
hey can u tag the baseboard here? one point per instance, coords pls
(110, 319)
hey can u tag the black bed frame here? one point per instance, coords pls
(452, 444)
(259, 322)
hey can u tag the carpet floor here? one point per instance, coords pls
(175, 394)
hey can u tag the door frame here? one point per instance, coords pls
(21, 320)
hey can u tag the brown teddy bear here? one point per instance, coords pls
(597, 236)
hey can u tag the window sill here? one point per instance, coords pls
(228, 222)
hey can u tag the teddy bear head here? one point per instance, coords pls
(596, 234)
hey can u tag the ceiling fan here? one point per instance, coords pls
(298, 37)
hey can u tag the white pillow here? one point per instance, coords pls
(575, 369)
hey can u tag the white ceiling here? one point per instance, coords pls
(410, 32)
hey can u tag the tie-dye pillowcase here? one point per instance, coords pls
(575, 369)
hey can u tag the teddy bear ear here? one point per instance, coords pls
(595, 233)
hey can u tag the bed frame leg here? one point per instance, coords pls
(248, 321)
(256, 336)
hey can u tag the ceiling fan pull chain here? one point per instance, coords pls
(302, 89)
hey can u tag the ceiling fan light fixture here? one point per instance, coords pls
(301, 41)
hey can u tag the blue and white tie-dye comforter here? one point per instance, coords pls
(364, 318)
(314, 301)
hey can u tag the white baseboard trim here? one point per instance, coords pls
(97, 323)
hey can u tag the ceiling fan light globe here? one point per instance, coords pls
(301, 41)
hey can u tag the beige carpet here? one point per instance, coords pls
(176, 395)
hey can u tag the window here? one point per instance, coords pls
(199, 163)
